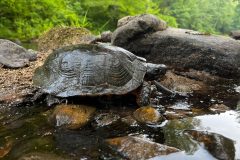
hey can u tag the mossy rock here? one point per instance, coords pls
(64, 36)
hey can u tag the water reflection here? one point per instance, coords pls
(220, 135)
(174, 136)
(218, 145)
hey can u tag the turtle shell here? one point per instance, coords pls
(90, 70)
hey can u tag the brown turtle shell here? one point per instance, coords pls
(90, 70)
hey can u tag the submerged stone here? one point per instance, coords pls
(177, 114)
(105, 119)
(72, 116)
(136, 148)
(218, 108)
(42, 156)
(181, 106)
(6, 148)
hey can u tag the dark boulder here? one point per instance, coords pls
(14, 56)
(185, 49)
(130, 27)
(235, 34)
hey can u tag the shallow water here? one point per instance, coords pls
(226, 124)
(27, 129)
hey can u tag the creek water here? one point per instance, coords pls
(26, 130)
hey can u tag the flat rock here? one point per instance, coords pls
(14, 56)
(181, 84)
(181, 48)
(136, 148)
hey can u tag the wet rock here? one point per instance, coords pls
(180, 106)
(129, 120)
(218, 108)
(219, 146)
(14, 56)
(238, 105)
(42, 156)
(181, 48)
(4, 150)
(198, 75)
(235, 34)
(105, 119)
(237, 89)
(132, 26)
(181, 110)
(177, 114)
(63, 36)
(181, 84)
(72, 116)
(136, 148)
(148, 115)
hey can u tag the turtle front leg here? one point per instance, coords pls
(143, 94)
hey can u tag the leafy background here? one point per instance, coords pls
(27, 19)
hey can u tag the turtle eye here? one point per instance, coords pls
(64, 65)
(156, 69)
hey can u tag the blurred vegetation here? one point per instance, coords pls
(27, 19)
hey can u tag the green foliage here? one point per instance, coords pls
(215, 16)
(236, 18)
(103, 15)
(26, 19)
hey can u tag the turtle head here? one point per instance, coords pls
(155, 71)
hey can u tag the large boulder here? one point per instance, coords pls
(181, 48)
(14, 56)
(130, 27)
